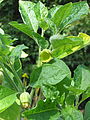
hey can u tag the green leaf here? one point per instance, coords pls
(50, 92)
(70, 99)
(25, 29)
(18, 67)
(74, 90)
(53, 11)
(5, 39)
(63, 92)
(68, 45)
(43, 111)
(11, 113)
(69, 13)
(82, 77)
(62, 13)
(1, 30)
(70, 113)
(16, 52)
(58, 41)
(28, 14)
(78, 10)
(87, 111)
(50, 74)
(41, 11)
(7, 98)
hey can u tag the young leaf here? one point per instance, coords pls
(62, 13)
(50, 74)
(78, 10)
(70, 113)
(43, 111)
(28, 14)
(11, 113)
(82, 77)
(16, 52)
(87, 111)
(69, 13)
(41, 11)
(25, 29)
(7, 98)
(69, 45)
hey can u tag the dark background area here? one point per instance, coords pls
(9, 12)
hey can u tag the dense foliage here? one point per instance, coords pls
(53, 93)
(9, 12)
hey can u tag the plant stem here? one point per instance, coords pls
(31, 95)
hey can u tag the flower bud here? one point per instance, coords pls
(45, 55)
(25, 99)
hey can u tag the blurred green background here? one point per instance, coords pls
(9, 12)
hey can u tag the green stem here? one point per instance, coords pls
(31, 95)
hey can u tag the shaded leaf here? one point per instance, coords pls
(71, 113)
(43, 111)
(11, 113)
(82, 77)
(87, 111)
(7, 98)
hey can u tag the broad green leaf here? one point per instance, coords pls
(41, 11)
(62, 13)
(70, 45)
(17, 51)
(82, 77)
(25, 29)
(28, 14)
(87, 111)
(50, 74)
(78, 10)
(7, 98)
(69, 13)
(71, 113)
(11, 113)
(58, 41)
(43, 111)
